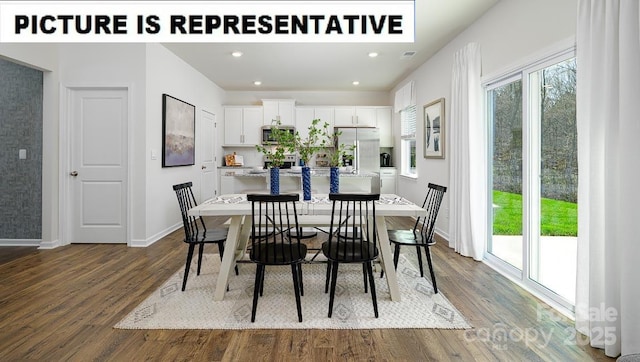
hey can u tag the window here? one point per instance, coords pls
(504, 104)
(408, 141)
(534, 172)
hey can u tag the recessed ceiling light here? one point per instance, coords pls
(257, 82)
(373, 55)
(355, 82)
(237, 54)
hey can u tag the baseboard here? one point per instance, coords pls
(143, 243)
(56, 243)
(20, 242)
(45, 245)
(442, 235)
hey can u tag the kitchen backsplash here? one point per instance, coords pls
(250, 155)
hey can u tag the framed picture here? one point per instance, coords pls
(434, 124)
(178, 132)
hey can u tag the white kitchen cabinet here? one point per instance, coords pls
(242, 125)
(344, 116)
(279, 110)
(384, 122)
(365, 117)
(306, 115)
(348, 116)
(325, 114)
(388, 177)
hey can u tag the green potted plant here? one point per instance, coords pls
(306, 147)
(336, 154)
(276, 153)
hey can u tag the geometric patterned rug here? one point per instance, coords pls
(170, 308)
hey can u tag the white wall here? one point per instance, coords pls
(166, 73)
(149, 70)
(44, 57)
(115, 65)
(39, 56)
(508, 33)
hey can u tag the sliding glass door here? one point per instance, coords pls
(534, 174)
(553, 247)
(505, 112)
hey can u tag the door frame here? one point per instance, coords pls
(530, 179)
(215, 152)
(64, 206)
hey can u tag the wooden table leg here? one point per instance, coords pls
(387, 258)
(229, 257)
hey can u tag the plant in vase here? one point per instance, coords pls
(336, 155)
(276, 153)
(306, 147)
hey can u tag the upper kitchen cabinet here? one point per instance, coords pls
(384, 121)
(305, 115)
(355, 116)
(279, 109)
(344, 116)
(242, 125)
(366, 116)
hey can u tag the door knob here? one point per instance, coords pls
(204, 167)
(74, 173)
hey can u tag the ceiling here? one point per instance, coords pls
(332, 66)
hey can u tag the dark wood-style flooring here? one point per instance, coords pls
(62, 304)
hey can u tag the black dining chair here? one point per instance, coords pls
(195, 230)
(352, 239)
(272, 243)
(422, 234)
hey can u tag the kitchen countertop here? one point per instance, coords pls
(315, 172)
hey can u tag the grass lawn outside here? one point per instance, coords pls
(559, 218)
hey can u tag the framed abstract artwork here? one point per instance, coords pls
(178, 132)
(434, 125)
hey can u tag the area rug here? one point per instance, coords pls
(170, 308)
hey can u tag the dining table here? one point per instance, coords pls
(312, 213)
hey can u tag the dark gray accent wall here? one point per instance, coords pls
(20, 128)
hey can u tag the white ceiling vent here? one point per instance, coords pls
(408, 54)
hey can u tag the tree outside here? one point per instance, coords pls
(559, 163)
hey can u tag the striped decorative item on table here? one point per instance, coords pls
(334, 180)
(306, 183)
(274, 185)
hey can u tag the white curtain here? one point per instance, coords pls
(608, 116)
(405, 97)
(468, 171)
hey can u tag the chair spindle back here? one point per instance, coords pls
(353, 225)
(427, 224)
(187, 200)
(273, 216)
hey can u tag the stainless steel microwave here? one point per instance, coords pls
(267, 137)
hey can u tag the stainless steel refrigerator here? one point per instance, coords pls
(366, 156)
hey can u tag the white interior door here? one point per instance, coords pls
(208, 152)
(98, 172)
